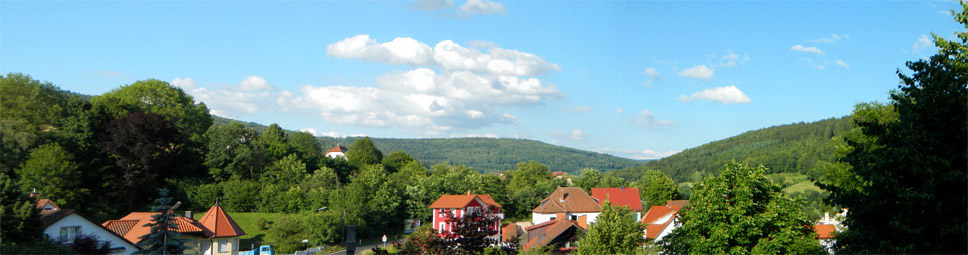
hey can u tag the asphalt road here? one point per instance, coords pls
(360, 249)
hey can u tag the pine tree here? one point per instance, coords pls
(163, 239)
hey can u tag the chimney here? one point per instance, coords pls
(189, 214)
(468, 192)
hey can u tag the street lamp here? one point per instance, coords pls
(164, 247)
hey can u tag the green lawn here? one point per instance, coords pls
(248, 222)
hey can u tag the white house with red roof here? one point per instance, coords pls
(827, 229)
(337, 152)
(215, 234)
(64, 225)
(622, 196)
(458, 205)
(660, 220)
(571, 203)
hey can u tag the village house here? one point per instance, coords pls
(65, 225)
(570, 202)
(622, 196)
(660, 220)
(827, 229)
(215, 234)
(337, 152)
(458, 206)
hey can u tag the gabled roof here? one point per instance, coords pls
(552, 230)
(658, 212)
(678, 204)
(220, 223)
(43, 202)
(461, 201)
(49, 217)
(568, 200)
(619, 196)
(134, 232)
(652, 231)
(825, 231)
(338, 148)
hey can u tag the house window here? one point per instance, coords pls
(442, 224)
(67, 234)
(574, 217)
(223, 245)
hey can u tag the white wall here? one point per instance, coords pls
(87, 227)
(538, 218)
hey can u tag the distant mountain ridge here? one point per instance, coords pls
(482, 154)
(791, 148)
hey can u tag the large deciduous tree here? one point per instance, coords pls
(615, 231)
(741, 211)
(51, 170)
(231, 153)
(363, 152)
(906, 182)
(146, 149)
(655, 188)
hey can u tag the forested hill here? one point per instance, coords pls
(792, 148)
(484, 154)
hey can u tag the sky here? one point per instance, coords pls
(636, 79)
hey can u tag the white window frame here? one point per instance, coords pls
(223, 246)
(66, 235)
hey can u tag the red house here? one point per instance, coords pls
(458, 205)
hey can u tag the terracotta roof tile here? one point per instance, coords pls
(50, 217)
(120, 227)
(134, 234)
(220, 223)
(461, 201)
(825, 231)
(657, 212)
(619, 196)
(338, 149)
(42, 202)
(568, 200)
(653, 230)
(678, 204)
(553, 229)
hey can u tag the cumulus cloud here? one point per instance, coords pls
(445, 54)
(647, 120)
(725, 95)
(923, 42)
(402, 50)
(841, 63)
(424, 99)
(577, 109)
(432, 4)
(653, 75)
(832, 39)
(482, 7)
(698, 72)
(732, 59)
(811, 49)
(251, 95)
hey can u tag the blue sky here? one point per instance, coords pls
(638, 79)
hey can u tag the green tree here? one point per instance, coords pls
(741, 211)
(914, 166)
(162, 238)
(286, 171)
(655, 188)
(615, 231)
(51, 170)
(307, 147)
(286, 234)
(363, 152)
(588, 178)
(527, 174)
(273, 142)
(21, 220)
(158, 97)
(231, 153)
(396, 160)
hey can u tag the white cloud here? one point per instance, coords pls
(453, 56)
(842, 64)
(423, 99)
(311, 131)
(653, 75)
(698, 72)
(251, 95)
(832, 39)
(809, 62)
(637, 154)
(725, 95)
(432, 4)
(577, 135)
(923, 42)
(577, 109)
(482, 7)
(811, 49)
(732, 59)
(647, 120)
(402, 50)
(619, 110)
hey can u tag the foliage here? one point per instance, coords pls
(655, 188)
(592, 178)
(363, 152)
(741, 211)
(286, 234)
(51, 170)
(89, 244)
(912, 166)
(38, 246)
(162, 238)
(396, 160)
(158, 97)
(615, 231)
(18, 215)
(231, 153)
(289, 170)
(145, 148)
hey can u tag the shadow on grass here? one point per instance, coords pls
(247, 244)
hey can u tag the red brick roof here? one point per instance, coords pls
(461, 201)
(568, 200)
(553, 229)
(678, 204)
(42, 202)
(619, 196)
(338, 149)
(657, 212)
(219, 222)
(49, 217)
(825, 231)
